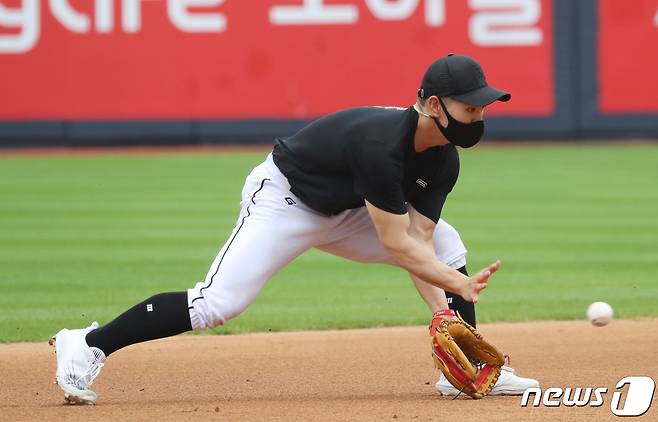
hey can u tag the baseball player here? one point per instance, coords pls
(367, 184)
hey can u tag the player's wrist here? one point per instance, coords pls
(443, 313)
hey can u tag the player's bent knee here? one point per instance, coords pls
(458, 262)
(448, 245)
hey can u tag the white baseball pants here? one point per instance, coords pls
(273, 228)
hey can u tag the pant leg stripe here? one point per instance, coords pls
(262, 184)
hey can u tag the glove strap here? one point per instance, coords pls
(444, 312)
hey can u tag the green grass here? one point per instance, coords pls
(84, 237)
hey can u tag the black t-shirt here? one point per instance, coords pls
(337, 161)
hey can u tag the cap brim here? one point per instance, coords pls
(483, 96)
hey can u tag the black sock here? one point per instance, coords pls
(457, 303)
(159, 316)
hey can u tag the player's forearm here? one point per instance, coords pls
(420, 260)
(434, 296)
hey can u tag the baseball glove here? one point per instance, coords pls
(470, 363)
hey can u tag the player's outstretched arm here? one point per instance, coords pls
(422, 229)
(417, 258)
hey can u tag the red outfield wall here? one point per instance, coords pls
(70, 61)
(275, 59)
(628, 56)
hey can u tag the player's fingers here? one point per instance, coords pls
(494, 267)
(476, 287)
(483, 276)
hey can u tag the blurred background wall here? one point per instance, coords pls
(124, 72)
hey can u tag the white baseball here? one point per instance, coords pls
(599, 313)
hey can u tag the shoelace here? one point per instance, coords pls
(506, 366)
(92, 372)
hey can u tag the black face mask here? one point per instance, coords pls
(464, 135)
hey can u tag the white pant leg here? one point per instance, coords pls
(269, 233)
(354, 237)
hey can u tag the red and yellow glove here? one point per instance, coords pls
(470, 363)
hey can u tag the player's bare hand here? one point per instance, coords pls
(479, 282)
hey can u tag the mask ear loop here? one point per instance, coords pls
(443, 106)
(436, 119)
(445, 110)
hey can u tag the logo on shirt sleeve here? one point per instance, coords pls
(421, 183)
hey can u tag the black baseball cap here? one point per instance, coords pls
(461, 78)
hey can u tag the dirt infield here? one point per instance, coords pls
(377, 374)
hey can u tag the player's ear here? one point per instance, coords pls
(436, 110)
(434, 106)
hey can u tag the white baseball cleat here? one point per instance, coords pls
(77, 364)
(508, 384)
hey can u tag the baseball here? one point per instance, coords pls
(599, 313)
